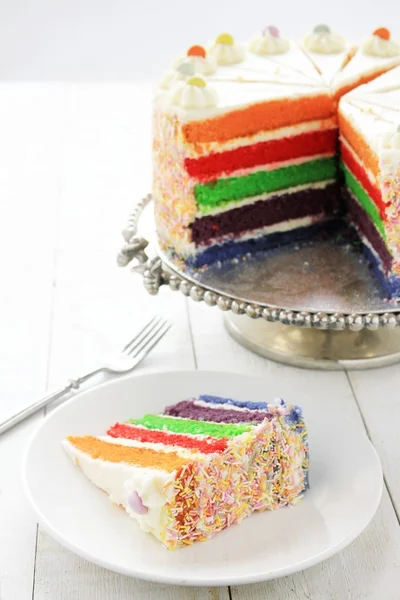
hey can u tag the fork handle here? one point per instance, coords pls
(73, 384)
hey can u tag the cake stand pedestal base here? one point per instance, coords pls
(314, 348)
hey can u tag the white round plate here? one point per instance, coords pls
(345, 478)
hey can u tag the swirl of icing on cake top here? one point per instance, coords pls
(323, 40)
(203, 63)
(391, 141)
(380, 44)
(269, 42)
(193, 94)
(225, 51)
(173, 76)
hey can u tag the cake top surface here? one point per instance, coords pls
(254, 78)
(227, 75)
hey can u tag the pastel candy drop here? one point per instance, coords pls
(322, 29)
(382, 33)
(225, 38)
(197, 81)
(186, 69)
(136, 504)
(196, 51)
(271, 30)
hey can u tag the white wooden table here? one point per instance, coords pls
(73, 159)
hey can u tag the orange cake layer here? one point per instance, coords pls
(259, 117)
(141, 457)
(359, 145)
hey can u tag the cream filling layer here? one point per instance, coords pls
(268, 230)
(320, 185)
(272, 166)
(200, 149)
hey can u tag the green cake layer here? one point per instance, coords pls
(363, 198)
(231, 189)
(178, 425)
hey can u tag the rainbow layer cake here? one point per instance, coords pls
(201, 466)
(246, 142)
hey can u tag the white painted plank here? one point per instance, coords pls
(378, 394)
(372, 562)
(62, 575)
(29, 142)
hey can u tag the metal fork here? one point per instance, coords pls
(130, 356)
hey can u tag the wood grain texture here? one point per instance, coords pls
(378, 395)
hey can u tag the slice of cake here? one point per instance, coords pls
(244, 160)
(200, 467)
(329, 51)
(370, 157)
(377, 54)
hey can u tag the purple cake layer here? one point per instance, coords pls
(187, 409)
(236, 248)
(264, 213)
(364, 226)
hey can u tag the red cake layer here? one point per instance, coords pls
(360, 173)
(262, 153)
(205, 445)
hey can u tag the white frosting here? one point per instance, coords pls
(330, 64)
(391, 140)
(155, 490)
(261, 78)
(374, 110)
(227, 54)
(269, 44)
(201, 65)
(327, 42)
(376, 46)
(193, 97)
(154, 486)
(363, 65)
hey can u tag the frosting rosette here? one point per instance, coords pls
(197, 57)
(193, 94)
(323, 40)
(380, 44)
(269, 42)
(225, 51)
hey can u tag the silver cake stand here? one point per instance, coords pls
(314, 306)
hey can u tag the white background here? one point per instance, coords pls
(136, 39)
